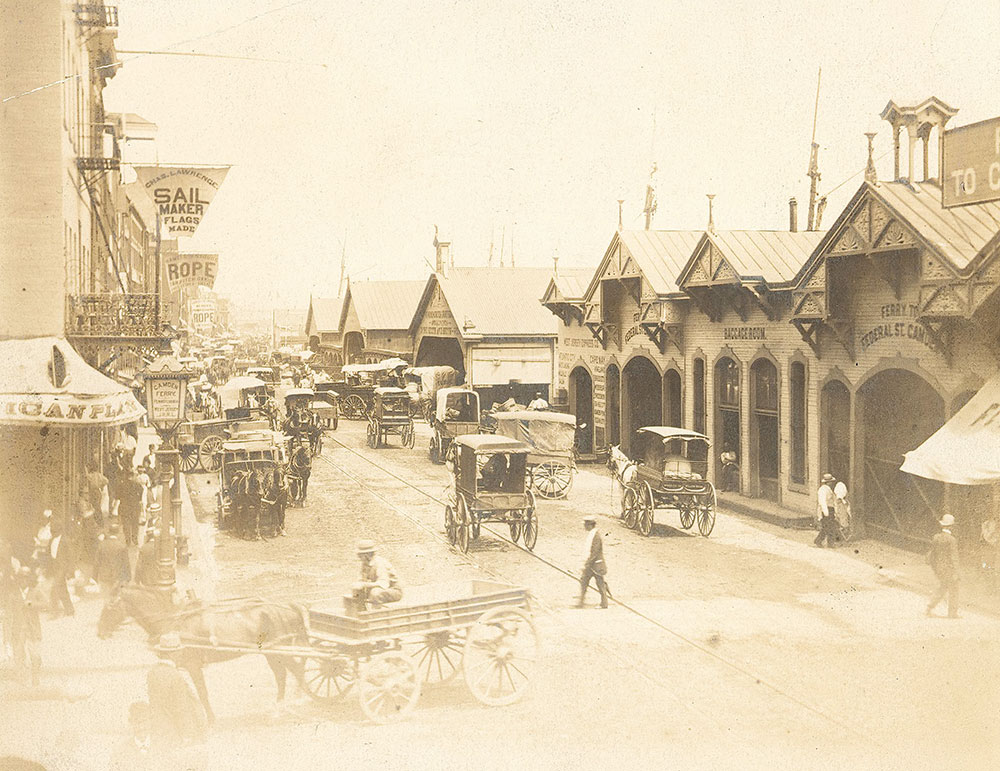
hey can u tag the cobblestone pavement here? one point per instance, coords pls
(747, 649)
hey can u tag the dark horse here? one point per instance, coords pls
(238, 626)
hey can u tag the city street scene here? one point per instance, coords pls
(548, 384)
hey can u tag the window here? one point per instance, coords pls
(728, 373)
(699, 395)
(797, 388)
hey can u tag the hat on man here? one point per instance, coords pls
(171, 641)
(828, 477)
(365, 546)
(590, 519)
(947, 520)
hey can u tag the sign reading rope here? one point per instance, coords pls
(187, 270)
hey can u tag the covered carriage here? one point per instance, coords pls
(456, 413)
(551, 436)
(251, 471)
(390, 416)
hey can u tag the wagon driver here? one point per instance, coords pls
(379, 584)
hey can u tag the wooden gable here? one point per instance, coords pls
(709, 268)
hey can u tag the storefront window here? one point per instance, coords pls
(728, 373)
(797, 381)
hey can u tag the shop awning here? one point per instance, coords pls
(44, 381)
(966, 449)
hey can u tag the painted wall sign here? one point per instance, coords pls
(181, 195)
(971, 161)
(744, 333)
(187, 270)
(65, 409)
(909, 329)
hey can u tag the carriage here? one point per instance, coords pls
(490, 485)
(670, 472)
(424, 383)
(247, 475)
(357, 392)
(456, 413)
(298, 418)
(390, 415)
(551, 436)
(326, 405)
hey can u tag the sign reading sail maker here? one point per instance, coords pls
(187, 270)
(971, 164)
(181, 195)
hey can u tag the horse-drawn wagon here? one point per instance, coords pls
(390, 415)
(251, 484)
(551, 436)
(456, 413)
(357, 392)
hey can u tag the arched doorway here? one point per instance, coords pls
(765, 458)
(897, 411)
(835, 431)
(727, 412)
(613, 404)
(581, 404)
(354, 344)
(440, 352)
(641, 389)
(673, 412)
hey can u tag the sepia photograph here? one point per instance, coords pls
(525, 384)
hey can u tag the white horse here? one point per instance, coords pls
(623, 468)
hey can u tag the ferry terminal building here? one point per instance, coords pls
(804, 352)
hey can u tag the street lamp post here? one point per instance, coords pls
(166, 405)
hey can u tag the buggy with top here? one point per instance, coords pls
(552, 438)
(456, 413)
(390, 416)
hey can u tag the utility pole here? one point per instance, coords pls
(650, 208)
(489, 260)
(343, 265)
(503, 236)
(814, 161)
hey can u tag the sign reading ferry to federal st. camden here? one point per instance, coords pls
(181, 195)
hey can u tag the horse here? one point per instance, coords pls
(623, 468)
(300, 466)
(240, 626)
(246, 492)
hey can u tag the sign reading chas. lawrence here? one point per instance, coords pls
(187, 270)
(971, 162)
(181, 195)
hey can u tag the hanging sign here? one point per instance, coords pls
(971, 162)
(181, 195)
(202, 315)
(187, 270)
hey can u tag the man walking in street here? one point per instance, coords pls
(593, 563)
(826, 513)
(943, 559)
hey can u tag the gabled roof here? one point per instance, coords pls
(384, 304)
(569, 286)
(661, 254)
(324, 313)
(774, 256)
(496, 302)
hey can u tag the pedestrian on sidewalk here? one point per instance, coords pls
(943, 559)
(593, 562)
(130, 507)
(61, 568)
(826, 513)
(26, 624)
(112, 567)
(146, 572)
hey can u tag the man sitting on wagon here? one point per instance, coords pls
(379, 584)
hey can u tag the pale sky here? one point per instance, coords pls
(531, 118)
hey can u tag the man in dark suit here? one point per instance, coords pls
(943, 559)
(112, 566)
(130, 506)
(593, 564)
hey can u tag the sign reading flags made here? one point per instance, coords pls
(971, 164)
(181, 195)
(188, 270)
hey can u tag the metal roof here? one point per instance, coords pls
(661, 254)
(325, 313)
(491, 443)
(498, 301)
(571, 283)
(669, 432)
(776, 256)
(959, 234)
(386, 304)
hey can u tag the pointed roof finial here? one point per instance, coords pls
(555, 266)
(871, 175)
(711, 222)
(620, 202)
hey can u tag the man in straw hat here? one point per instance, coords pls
(177, 713)
(379, 583)
(943, 559)
(827, 513)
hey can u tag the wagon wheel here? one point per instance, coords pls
(500, 652)
(687, 517)
(552, 479)
(631, 507)
(354, 407)
(645, 512)
(462, 524)
(371, 435)
(515, 530)
(189, 458)
(328, 678)
(530, 523)
(409, 437)
(208, 453)
(437, 656)
(706, 516)
(388, 687)
(432, 450)
(450, 525)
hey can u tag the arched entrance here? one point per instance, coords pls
(765, 458)
(835, 431)
(642, 394)
(897, 411)
(613, 404)
(727, 412)
(354, 344)
(440, 352)
(673, 413)
(581, 404)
